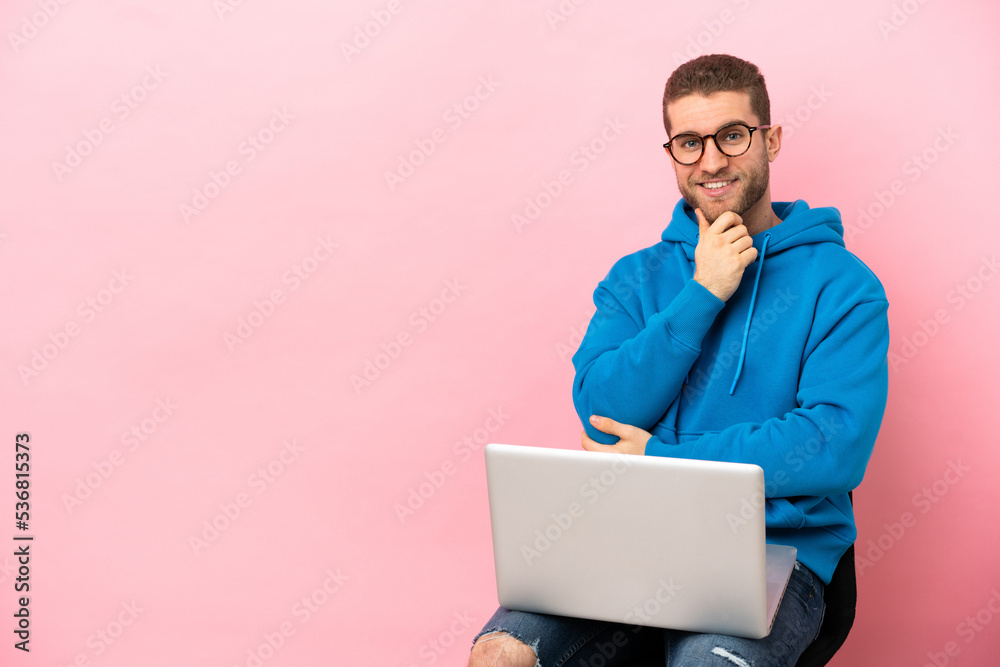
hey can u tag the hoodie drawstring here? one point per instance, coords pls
(746, 329)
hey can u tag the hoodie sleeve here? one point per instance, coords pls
(629, 369)
(821, 447)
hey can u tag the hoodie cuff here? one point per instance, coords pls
(692, 312)
(656, 447)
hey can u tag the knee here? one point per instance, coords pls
(499, 649)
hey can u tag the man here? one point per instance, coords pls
(748, 334)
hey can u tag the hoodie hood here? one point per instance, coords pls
(800, 225)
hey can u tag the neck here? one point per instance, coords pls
(760, 217)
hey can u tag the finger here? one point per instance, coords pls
(736, 232)
(748, 256)
(742, 243)
(725, 221)
(702, 222)
(608, 425)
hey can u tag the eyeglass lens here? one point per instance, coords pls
(732, 140)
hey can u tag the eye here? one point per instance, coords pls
(688, 143)
(734, 134)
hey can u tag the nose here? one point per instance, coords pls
(712, 159)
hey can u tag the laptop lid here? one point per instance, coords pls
(643, 540)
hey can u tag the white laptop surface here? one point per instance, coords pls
(643, 540)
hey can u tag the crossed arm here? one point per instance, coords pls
(627, 376)
(724, 250)
(631, 439)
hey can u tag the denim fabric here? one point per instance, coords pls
(560, 641)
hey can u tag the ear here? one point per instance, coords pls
(773, 142)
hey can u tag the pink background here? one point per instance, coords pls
(124, 303)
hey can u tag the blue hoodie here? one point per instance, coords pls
(789, 374)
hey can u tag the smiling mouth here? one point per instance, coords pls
(716, 185)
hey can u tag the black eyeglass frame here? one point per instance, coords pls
(713, 136)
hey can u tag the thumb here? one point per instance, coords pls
(702, 221)
(606, 425)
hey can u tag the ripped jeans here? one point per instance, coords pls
(560, 641)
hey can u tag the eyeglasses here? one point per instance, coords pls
(732, 140)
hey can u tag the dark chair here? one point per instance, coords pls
(841, 599)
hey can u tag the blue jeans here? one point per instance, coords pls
(560, 641)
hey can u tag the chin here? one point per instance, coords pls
(713, 208)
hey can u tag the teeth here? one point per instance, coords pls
(716, 185)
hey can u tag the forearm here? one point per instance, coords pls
(819, 452)
(822, 446)
(631, 371)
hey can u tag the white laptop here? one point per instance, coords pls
(643, 540)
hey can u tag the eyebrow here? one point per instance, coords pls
(726, 124)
